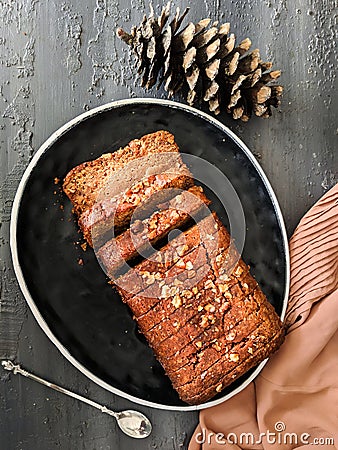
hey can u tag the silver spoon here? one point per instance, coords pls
(132, 423)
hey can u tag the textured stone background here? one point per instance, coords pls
(58, 59)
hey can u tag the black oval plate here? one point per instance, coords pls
(73, 303)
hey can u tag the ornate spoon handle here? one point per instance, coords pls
(16, 369)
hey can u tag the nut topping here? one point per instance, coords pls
(222, 288)
(182, 249)
(204, 321)
(210, 308)
(217, 346)
(165, 291)
(150, 280)
(231, 336)
(219, 258)
(181, 264)
(186, 293)
(238, 271)
(209, 284)
(189, 265)
(191, 274)
(224, 277)
(234, 357)
(177, 301)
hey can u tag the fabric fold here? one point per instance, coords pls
(293, 403)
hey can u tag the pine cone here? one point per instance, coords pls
(203, 60)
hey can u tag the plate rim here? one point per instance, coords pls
(22, 283)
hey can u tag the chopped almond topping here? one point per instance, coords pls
(210, 308)
(231, 336)
(182, 249)
(238, 271)
(204, 321)
(191, 274)
(150, 279)
(189, 265)
(234, 357)
(186, 293)
(165, 291)
(219, 387)
(181, 264)
(208, 284)
(224, 277)
(177, 301)
(217, 346)
(219, 258)
(222, 288)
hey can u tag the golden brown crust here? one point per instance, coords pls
(229, 315)
(141, 304)
(195, 305)
(201, 337)
(144, 233)
(83, 183)
(195, 395)
(135, 281)
(115, 213)
(229, 344)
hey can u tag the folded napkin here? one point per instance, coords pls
(293, 403)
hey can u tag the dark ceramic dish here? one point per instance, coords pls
(73, 303)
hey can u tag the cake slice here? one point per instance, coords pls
(255, 349)
(228, 341)
(112, 215)
(231, 313)
(106, 192)
(84, 182)
(194, 306)
(143, 234)
(220, 257)
(153, 272)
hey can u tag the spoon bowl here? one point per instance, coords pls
(134, 424)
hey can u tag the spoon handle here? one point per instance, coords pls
(16, 369)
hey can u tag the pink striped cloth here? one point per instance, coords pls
(293, 403)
